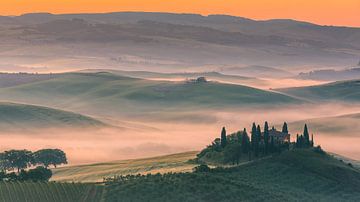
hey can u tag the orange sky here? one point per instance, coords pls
(329, 12)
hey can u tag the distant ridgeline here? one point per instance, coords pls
(239, 147)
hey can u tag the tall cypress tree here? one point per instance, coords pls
(306, 136)
(245, 144)
(223, 138)
(266, 137)
(285, 128)
(253, 136)
(258, 139)
(312, 140)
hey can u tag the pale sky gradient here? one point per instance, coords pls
(325, 12)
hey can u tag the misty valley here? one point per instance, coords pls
(137, 106)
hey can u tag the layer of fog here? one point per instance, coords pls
(154, 135)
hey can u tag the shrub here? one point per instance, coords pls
(202, 168)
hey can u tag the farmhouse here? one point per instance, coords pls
(278, 136)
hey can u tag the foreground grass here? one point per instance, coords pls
(96, 172)
(41, 191)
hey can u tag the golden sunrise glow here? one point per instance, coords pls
(326, 12)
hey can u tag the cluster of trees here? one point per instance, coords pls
(240, 146)
(303, 141)
(22, 160)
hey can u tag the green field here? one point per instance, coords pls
(300, 175)
(106, 93)
(45, 192)
(20, 116)
(96, 172)
(337, 91)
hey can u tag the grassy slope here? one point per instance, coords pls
(344, 124)
(214, 76)
(106, 90)
(96, 172)
(40, 191)
(31, 116)
(338, 91)
(300, 175)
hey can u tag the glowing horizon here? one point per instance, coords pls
(330, 12)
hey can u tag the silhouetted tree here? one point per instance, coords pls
(19, 159)
(245, 142)
(223, 138)
(285, 128)
(306, 136)
(48, 157)
(266, 137)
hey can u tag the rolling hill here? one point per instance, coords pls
(300, 175)
(26, 117)
(107, 93)
(257, 71)
(96, 172)
(344, 124)
(348, 91)
(213, 76)
(169, 42)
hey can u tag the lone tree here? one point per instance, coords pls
(49, 157)
(18, 159)
(223, 138)
(306, 135)
(285, 128)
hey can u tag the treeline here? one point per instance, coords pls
(241, 146)
(26, 165)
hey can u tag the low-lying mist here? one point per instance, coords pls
(162, 133)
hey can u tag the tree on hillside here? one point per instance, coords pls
(266, 137)
(48, 157)
(257, 141)
(306, 136)
(253, 137)
(223, 138)
(245, 142)
(285, 128)
(19, 159)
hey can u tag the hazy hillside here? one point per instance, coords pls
(331, 74)
(96, 172)
(299, 175)
(108, 93)
(14, 79)
(346, 125)
(28, 117)
(257, 72)
(213, 76)
(169, 42)
(348, 91)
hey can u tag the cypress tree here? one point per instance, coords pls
(266, 137)
(253, 136)
(306, 136)
(312, 140)
(285, 128)
(245, 142)
(257, 139)
(223, 138)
